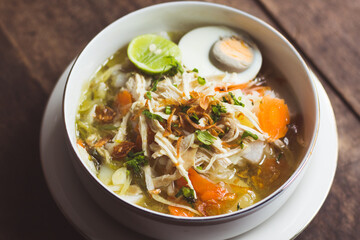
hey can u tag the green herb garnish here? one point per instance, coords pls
(207, 147)
(195, 70)
(238, 206)
(175, 67)
(184, 108)
(236, 101)
(167, 110)
(187, 193)
(194, 117)
(96, 158)
(156, 80)
(148, 95)
(154, 116)
(227, 129)
(225, 100)
(205, 137)
(249, 134)
(199, 167)
(278, 157)
(201, 80)
(216, 112)
(134, 162)
(154, 84)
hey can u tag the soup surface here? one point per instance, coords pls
(189, 142)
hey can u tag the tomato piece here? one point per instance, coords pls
(181, 182)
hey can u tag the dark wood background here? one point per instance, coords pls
(39, 38)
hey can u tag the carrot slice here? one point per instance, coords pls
(231, 87)
(81, 143)
(273, 117)
(124, 101)
(178, 146)
(206, 189)
(211, 197)
(181, 212)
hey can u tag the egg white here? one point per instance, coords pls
(196, 48)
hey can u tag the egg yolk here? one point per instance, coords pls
(237, 49)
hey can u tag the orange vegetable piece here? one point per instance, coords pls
(205, 189)
(123, 101)
(231, 87)
(81, 143)
(181, 212)
(212, 198)
(181, 182)
(273, 117)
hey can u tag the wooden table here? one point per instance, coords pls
(39, 38)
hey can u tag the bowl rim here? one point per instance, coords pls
(208, 220)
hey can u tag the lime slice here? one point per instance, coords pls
(153, 53)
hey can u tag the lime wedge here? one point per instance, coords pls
(153, 53)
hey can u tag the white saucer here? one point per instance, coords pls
(79, 208)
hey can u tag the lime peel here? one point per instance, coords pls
(153, 54)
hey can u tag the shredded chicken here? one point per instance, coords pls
(179, 126)
(121, 134)
(171, 153)
(143, 133)
(148, 178)
(136, 85)
(166, 179)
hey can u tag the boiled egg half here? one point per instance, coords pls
(216, 50)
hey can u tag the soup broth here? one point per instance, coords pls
(179, 143)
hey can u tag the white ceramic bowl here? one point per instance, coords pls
(183, 16)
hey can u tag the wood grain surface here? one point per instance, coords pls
(38, 39)
(327, 32)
